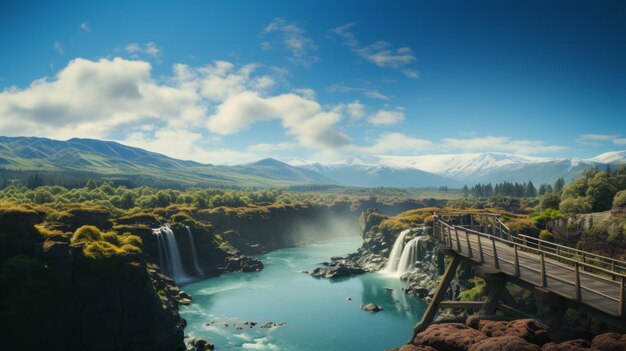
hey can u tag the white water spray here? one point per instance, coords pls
(410, 255)
(396, 253)
(171, 255)
(194, 254)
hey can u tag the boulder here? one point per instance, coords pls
(200, 345)
(530, 330)
(609, 342)
(503, 343)
(372, 307)
(337, 271)
(570, 345)
(449, 337)
(411, 347)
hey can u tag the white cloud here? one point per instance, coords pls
(137, 50)
(85, 26)
(356, 110)
(92, 99)
(302, 118)
(500, 144)
(380, 53)
(295, 40)
(306, 93)
(371, 93)
(220, 80)
(266, 149)
(619, 141)
(397, 143)
(599, 139)
(411, 73)
(386, 117)
(187, 145)
(58, 47)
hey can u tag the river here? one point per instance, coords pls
(317, 312)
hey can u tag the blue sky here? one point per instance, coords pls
(234, 81)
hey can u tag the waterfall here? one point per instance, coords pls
(396, 253)
(194, 254)
(410, 255)
(170, 257)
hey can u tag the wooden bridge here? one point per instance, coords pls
(560, 277)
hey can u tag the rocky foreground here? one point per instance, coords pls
(478, 334)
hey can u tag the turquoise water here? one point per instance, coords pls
(317, 314)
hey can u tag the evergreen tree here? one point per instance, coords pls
(542, 189)
(559, 185)
(530, 190)
(465, 191)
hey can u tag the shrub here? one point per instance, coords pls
(101, 249)
(524, 226)
(550, 200)
(576, 205)
(86, 233)
(549, 215)
(619, 201)
(546, 235)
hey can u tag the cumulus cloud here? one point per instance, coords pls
(85, 26)
(295, 40)
(380, 53)
(220, 80)
(91, 99)
(302, 118)
(501, 144)
(386, 117)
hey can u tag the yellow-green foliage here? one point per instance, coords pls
(86, 233)
(98, 245)
(546, 235)
(406, 219)
(477, 293)
(101, 249)
(45, 232)
(524, 226)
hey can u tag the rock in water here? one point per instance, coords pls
(338, 271)
(372, 307)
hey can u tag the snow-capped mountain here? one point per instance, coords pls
(454, 169)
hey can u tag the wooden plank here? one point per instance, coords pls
(461, 304)
(440, 293)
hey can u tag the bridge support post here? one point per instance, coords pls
(622, 298)
(440, 293)
(497, 287)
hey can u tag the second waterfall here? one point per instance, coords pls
(403, 256)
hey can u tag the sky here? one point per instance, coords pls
(229, 82)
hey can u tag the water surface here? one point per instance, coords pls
(317, 314)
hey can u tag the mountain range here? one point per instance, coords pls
(101, 159)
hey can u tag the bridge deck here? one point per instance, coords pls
(596, 287)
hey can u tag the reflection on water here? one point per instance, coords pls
(317, 313)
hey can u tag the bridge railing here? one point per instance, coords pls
(595, 260)
(585, 279)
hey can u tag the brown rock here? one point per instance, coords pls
(609, 342)
(504, 343)
(449, 337)
(411, 347)
(570, 345)
(530, 330)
